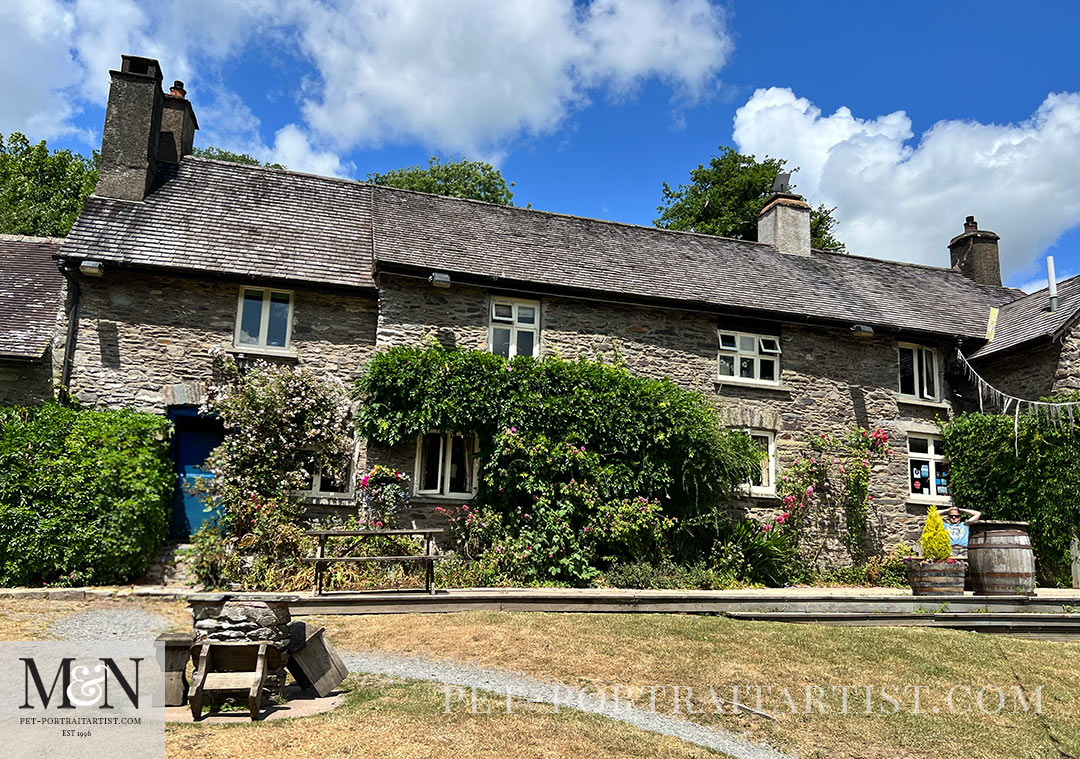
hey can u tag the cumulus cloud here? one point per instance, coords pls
(34, 44)
(469, 76)
(905, 201)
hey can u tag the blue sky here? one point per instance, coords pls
(906, 117)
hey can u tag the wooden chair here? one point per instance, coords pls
(227, 667)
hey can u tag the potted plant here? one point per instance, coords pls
(935, 573)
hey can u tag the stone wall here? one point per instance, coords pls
(1044, 370)
(23, 383)
(142, 339)
(830, 381)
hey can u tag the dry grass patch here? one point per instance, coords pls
(644, 650)
(406, 720)
(29, 619)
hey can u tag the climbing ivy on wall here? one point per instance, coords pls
(655, 439)
(1022, 468)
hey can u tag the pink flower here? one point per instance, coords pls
(810, 490)
(766, 527)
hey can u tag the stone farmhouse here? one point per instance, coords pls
(175, 257)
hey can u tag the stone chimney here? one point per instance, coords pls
(975, 254)
(143, 126)
(178, 125)
(784, 223)
(129, 141)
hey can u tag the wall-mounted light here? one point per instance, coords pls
(439, 279)
(91, 268)
(862, 330)
(241, 363)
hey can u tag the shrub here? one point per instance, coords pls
(84, 495)
(1024, 467)
(664, 573)
(583, 464)
(935, 538)
(384, 494)
(280, 422)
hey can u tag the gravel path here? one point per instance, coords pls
(525, 688)
(109, 624)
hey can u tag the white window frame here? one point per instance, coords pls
(920, 377)
(264, 320)
(316, 491)
(770, 448)
(513, 324)
(737, 353)
(935, 460)
(445, 451)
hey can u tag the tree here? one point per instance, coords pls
(42, 193)
(459, 179)
(227, 155)
(725, 198)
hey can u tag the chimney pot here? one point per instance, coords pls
(970, 225)
(177, 89)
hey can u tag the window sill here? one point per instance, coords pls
(443, 498)
(720, 382)
(929, 500)
(318, 498)
(912, 401)
(267, 352)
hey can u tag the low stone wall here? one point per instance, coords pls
(255, 619)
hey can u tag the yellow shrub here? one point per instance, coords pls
(935, 539)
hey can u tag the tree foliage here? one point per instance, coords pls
(219, 154)
(1023, 468)
(726, 197)
(460, 178)
(42, 192)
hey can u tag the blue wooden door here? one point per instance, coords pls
(194, 437)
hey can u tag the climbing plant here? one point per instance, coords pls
(835, 478)
(1020, 467)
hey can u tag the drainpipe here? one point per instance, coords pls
(72, 330)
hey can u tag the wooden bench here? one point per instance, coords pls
(228, 667)
(428, 558)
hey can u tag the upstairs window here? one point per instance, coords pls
(264, 319)
(446, 465)
(919, 372)
(515, 327)
(749, 357)
(928, 470)
(764, 482)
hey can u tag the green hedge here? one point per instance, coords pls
(84, 495)
(1026, 469)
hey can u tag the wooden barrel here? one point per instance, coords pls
(1000, 558)
(936, 579)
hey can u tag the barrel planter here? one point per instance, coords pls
(1001, 559)
(936, 578)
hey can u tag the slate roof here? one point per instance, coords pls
(31, 296)
(1029, 319)
(515, 245)
(214, 216)
(230, 219)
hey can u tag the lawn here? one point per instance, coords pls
(644, 650)
(405, 719)
(391, 718)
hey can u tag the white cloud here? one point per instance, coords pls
(37, 69)
(293, 148)
(470, 75)
(902, 201)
